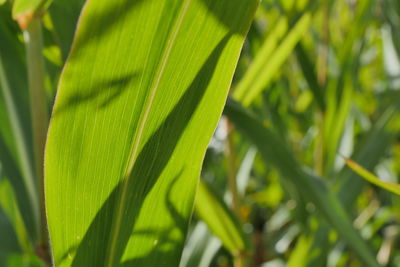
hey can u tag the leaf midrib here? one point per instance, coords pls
(115, 229)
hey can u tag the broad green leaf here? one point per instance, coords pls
(370, 177)
(213, 211)
(139, 98)
(267, 64)
(275, 152)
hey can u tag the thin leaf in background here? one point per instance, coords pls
(249, 89)
(221, 221)
(370, 177)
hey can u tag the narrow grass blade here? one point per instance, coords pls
(309, 74)
(9, 205)
(368, 154)
(255, 80)
(138, 101)
(268, 47)
(370, 177)
(221, 221)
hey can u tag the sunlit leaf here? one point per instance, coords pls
(139, 98)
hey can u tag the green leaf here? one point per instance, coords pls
(275, 152)
(221, 221)
(138, 101)
(310, 76)
(9, 244)
(15, 133)
(64, 16)
(301, 253)
(370, 150)
(9, 204)
(370, 177)
(267, 63)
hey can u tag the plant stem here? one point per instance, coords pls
(232, 183)
(239, 258)
(39, 109)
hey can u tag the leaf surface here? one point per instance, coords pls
(138, 100)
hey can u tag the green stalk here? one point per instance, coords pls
(231, 160)
(39, 113)
(239, 258)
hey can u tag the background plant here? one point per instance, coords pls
(317, 82)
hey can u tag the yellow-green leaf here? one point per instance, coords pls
(370, 177)
(268, 62)
(213, 211)
(138, 101)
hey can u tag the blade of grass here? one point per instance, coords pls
(309, 74)
(255, 80)
(9, 205)
(370, 177)
(221, 221)
(268, 46)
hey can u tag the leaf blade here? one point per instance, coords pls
(370, 177)
(99, 103)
